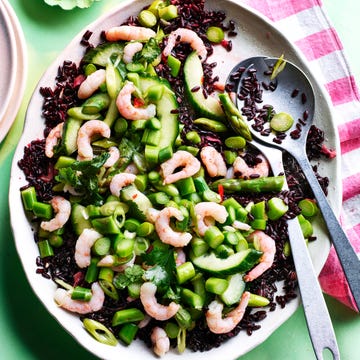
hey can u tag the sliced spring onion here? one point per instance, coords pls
(308, 207)
(215, 34)
(278, 67)
(257, 301)
(100, 332)
(147, 18)
(281, 122)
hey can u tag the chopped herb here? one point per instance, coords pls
(159, 277)
(149, 52)
(163, 273)
(131, 274)
(82, 176)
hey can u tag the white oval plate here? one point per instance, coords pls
(20, 73)
(8, 67)
(255, 36)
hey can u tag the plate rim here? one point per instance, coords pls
(98, 349)
(9, 30)
(21, 73)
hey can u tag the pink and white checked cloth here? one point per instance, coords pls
(306, 25)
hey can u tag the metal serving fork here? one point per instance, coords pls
(316, 313)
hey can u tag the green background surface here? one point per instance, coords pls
(27, 332)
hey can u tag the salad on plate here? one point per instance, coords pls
(152, 212)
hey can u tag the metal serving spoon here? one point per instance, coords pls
(317, 317)
(282, 96)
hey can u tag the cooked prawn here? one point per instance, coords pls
(152, 215)
(219, 325)
(52, 139)
(114, 157)
(160, 341)
(267, 245)
(86, 132)
(119, 181)
(213, 161)
(166, 234)
(128, 33)
(91, 84)
(71, 190)
(242, 169)
(130, 50)
(188, 36)
(207, 213)
(239, 225)
(83, 247)
(144, 322)
(132, 169)
(152, 307)
(63, 299)
(128, 110)
(62, 207)
(180, 256)
(189, 163)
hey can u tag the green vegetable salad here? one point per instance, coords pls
(148, 193)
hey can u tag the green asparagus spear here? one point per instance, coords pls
(234, 117)
(263, 184)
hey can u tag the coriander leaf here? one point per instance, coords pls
(174, 295)
(127, 150)
(82, 176)
(121, 281)
(164, 261)
(121, 66)
(91, 167)
(158, 276)
(149, 52)
(132, 274)
(163, 256)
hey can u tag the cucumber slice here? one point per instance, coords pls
(235, 289)
(139, 204)
(101, 54)
(79, 218)
(239, 262)
(207, 107)
(69, 137)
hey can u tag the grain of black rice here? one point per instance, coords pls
(295, 134)
(306, 115)
(303, 98)
(295, 93)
